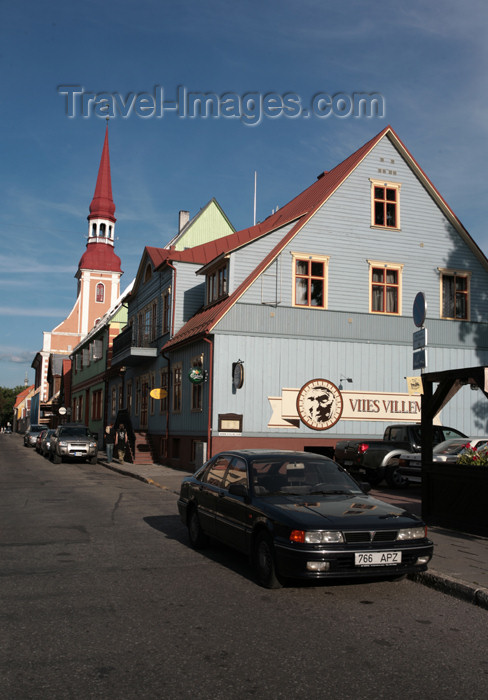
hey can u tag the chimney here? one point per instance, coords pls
(184, 219)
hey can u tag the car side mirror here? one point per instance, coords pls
(365, 486)
(239, 490)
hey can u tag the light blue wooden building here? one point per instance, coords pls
(301, 326)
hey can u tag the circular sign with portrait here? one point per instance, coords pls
(319, 404)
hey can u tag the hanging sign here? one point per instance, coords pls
(415, 385)
(158, 393)
(196, 376)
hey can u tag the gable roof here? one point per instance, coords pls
(210, 208)
(299, 210)
(23, 395)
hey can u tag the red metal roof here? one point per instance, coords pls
(102, 206)
(298, 210)
(22, 395)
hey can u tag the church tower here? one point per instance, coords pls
(99, 269)
(98, 276)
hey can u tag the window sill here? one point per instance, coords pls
(386, 313)
(452, 318)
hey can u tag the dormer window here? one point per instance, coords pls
(217, 283)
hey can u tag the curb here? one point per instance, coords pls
(140, 477)
(454, 587)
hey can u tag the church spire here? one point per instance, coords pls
(101, 218)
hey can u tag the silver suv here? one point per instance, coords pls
(73, 441)
(32, 433)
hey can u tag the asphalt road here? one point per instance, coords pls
(101, 597)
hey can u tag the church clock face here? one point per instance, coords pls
(319, 404)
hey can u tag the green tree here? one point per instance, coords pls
(7, 401)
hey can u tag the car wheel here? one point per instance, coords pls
(264, 562)
(198, 539)
(56, 458)
(93, 460)
(393, 478)
(374, 476)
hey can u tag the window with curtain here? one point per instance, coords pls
(385, 288)
(455, 295)
(310, 280)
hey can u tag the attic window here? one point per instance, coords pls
(217, 283)
(148, 274)
(385, 204)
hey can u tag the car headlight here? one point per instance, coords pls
(63, 443)
(316, 536)
(92, 445)
(412, 533)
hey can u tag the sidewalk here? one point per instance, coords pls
(459, 566)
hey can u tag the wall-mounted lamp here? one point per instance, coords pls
(344, 379)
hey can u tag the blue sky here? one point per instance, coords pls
(428, 61)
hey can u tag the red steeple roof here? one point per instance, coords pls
(102, 206)
(99, 256)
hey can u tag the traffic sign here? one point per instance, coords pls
(420, 359)
(420, 339)
(419, 309)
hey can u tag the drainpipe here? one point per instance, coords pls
(167, 412)
(171, 334)
(210, 398)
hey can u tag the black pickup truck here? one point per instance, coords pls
(375, 460)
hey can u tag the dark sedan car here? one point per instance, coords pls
(300, 515)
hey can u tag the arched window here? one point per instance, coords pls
(102, 230)
(94, 229)
(100, 292)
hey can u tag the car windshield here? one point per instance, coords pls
(75, 432)
(36, 428)
(300, 476)
(451, 447)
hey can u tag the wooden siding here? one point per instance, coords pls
(209, 224)
(190, 422)
(352, 327)
(341, 229)
(284, 347)
(190, 292)
(274, 363)
(244, 262)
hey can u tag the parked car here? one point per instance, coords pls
(299, 515)
(46, 442)
(73, 441)
(410, 465)
(375, 460)
(31, 434)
